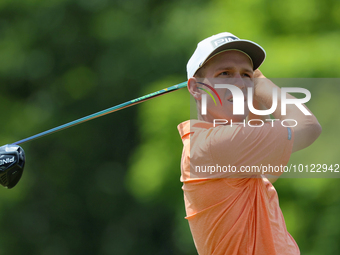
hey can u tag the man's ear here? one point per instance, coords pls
(193, 89)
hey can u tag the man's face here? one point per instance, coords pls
(229, 67)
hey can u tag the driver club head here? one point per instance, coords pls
(12, 162)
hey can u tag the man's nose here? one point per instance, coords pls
(239, 81)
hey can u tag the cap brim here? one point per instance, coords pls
(253, 50)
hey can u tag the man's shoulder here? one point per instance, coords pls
(238, 133)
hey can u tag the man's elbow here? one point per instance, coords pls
(318, 130)
(306, 135)
(315, 130)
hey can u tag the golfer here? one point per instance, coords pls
(232, 211)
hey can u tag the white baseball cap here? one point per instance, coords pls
(213, 45)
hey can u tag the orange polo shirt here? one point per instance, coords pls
(235, 213)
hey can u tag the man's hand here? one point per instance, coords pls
(257, 105)
(258, 74)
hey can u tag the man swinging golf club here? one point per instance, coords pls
(231, 211)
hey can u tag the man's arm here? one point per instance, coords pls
(308, 128)
(252, 116)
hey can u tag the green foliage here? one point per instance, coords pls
(111, 186)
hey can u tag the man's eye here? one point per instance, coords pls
(224, 73)
(246, 75)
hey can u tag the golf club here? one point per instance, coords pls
(12, 156)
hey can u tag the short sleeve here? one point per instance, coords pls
(244, 151)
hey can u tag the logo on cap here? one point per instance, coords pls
(220, 41)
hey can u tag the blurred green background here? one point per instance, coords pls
(111, 185)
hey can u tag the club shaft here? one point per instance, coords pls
(105, 112)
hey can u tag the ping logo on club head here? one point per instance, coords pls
(204, 97)
(6, 160)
